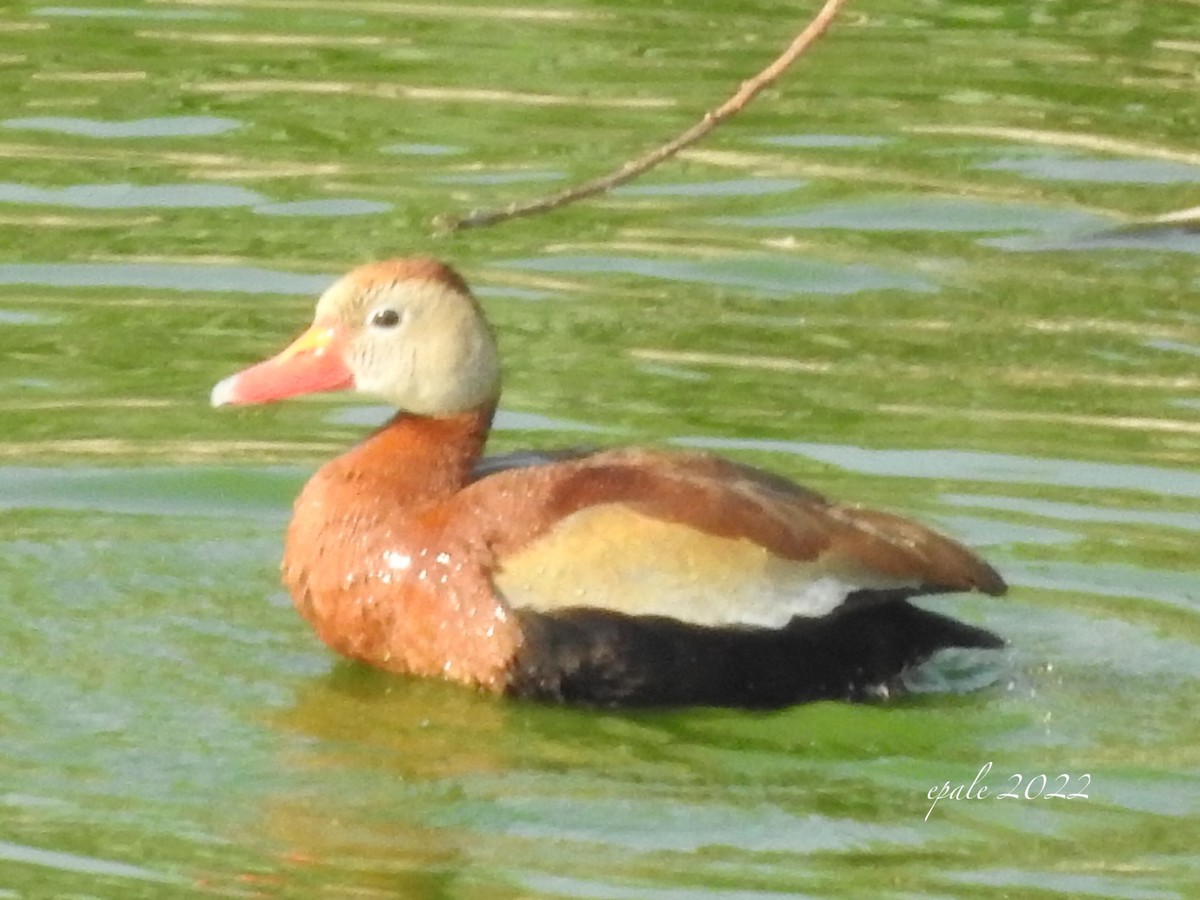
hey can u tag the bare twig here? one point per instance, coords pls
(635, 167)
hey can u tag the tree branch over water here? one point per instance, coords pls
(633, 168)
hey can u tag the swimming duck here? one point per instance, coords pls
(614, 577)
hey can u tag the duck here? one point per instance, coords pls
(607, 577)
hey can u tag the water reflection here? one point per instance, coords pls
(424, 149)
(734, 187)
(776, 276)
(13, 317)
(165, 276)
(1161, 236)
(974, 466)
(483, 178)
(1076, 512)
(979, 533)
(934, 214)
(182, 196)
(1174, 347)
(196, 277)
(1098, 171)
(1106, 579)
(59, 861)
(262, 494)
(1128, 887)
(129, 12)
(330, 207)
(403, 727)
(160, 127)
(131, 196)
(545, 884)
(646, 825)
(823, 141)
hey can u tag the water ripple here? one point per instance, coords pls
(972, 465)
(769, 275)
(165, 276)
(160, 127)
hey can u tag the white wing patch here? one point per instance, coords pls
(614, 558)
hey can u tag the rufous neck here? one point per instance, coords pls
(422, 455)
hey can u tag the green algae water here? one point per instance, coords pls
(923, 273)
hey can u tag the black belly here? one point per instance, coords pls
(858, 652)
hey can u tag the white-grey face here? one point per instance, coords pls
(421, 345)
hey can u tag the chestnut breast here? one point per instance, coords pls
(385, 582)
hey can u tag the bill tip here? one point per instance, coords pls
(222, 392)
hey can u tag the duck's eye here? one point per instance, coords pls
(385, 318)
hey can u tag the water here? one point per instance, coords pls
(927, 281)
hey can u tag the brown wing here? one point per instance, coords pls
(699, 538)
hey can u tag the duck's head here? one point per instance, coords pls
(407, 331)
